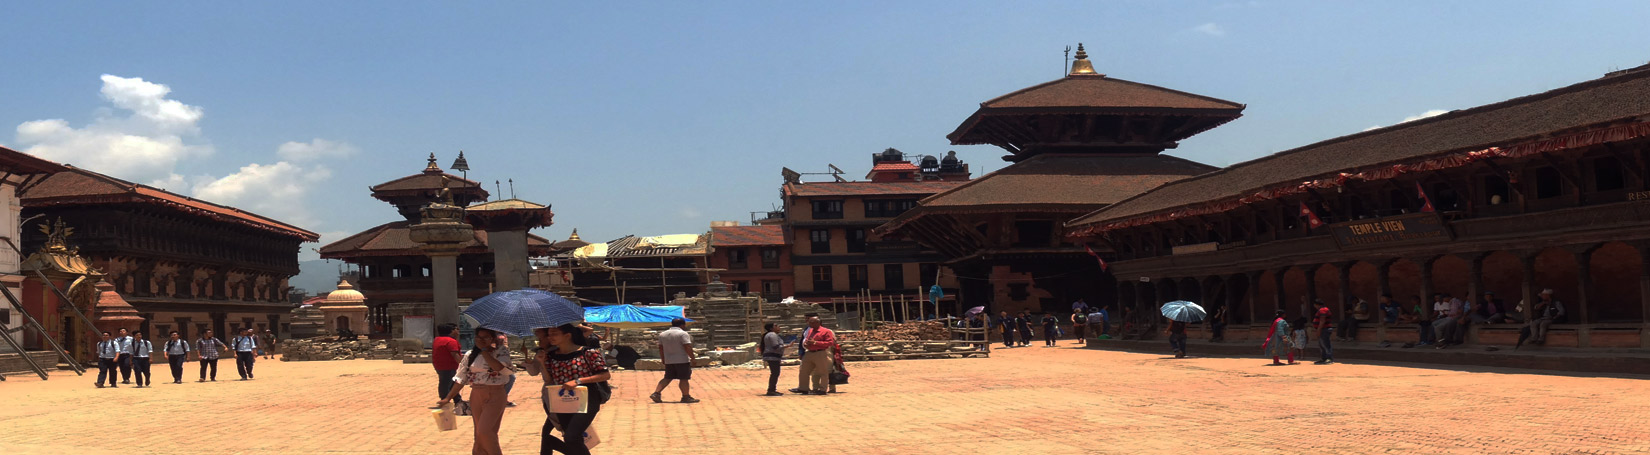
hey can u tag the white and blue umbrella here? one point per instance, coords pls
(519, 312)
(1183, 311)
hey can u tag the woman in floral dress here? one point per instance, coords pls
(1277, 342)
(568, 364)
(487, 377)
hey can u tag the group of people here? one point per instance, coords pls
(1286, 340)
(1083, 319)
(131, 355)
(567, 357)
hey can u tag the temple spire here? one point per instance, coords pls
(432, 168)
(1082, 66)
(575, 235)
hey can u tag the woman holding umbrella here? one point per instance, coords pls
(1180, 313)
(487, 377)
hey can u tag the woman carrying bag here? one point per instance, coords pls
(568, 364)
(487, 376)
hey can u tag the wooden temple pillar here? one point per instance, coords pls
(1526, 261)
(1253, 288)
(1427, 289)
(1311, 273)
(1343, 308)
(1383, 283)
(1584, 292)
(1281, 300)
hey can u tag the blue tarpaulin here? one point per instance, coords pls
(632, 316)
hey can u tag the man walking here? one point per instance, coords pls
(176, 352)
(266, 344)
(107, 352)
(676, 349)
(124, 360)
(817, 362)
(207, 349)
(1321, 322)
(141, 351)
(246, 347)
(445, 357)
(1023, 325)
(1003, 322)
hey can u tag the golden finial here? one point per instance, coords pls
(575, 235)
(1082, 66)
(432, 167)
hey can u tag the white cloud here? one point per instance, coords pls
(144, 145)
(274, 190)
(156, 133)
(1429, 113)
(314, 150)
(690, 212)
(1211, 29)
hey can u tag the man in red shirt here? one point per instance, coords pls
(1321, 322)
(816, 357)
(444, 355)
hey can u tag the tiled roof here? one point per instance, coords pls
(1104, 92)
(631, 247)
(394, 239)
(1612, 98)
(77, 186)
(1061, 182)
(428, 181)
(17, 163)
(925, 187)
(747, 235)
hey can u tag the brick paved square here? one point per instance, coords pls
(1025, 400)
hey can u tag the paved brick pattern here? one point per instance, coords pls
(1026, 400)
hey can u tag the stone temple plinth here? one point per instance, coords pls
(506, 223)
(440, 233)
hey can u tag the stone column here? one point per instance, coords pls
(444, 279)
(1343, 309)
(1527, 290)
(1584, 291)
(1281, 300)
(510, 268)
(1254, 298)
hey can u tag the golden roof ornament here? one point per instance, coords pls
(431, 167)
(1082, 66)
(575, 235)
(57, 236)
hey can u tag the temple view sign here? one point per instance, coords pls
(1390, 231)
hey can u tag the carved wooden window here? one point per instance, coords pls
(827, 210)
(822, 278)
(893, 276)
(770, 258)
(856, 240)
(859, 277)
(1607, 174)
(819, 241)
(738, 258)
(1548, 183)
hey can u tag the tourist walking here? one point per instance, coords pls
(266, 344)
(486, 377)
(569, 363)
(1006, 324)
(773, 354)
(1079, 326)
(1051, 329)
(816, 362)
(107, 352)
(1177, 338)
(141, 351)
(176, 351)
(124, 360)
(1321, 322)
(1298, 338)
(676, 350)
(1277, 342)
(207, 349)
(245, 353)
(1023, 325)
(444, 356)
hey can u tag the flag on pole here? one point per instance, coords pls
(1426, 202)
(1103, 266)
(1312, 219)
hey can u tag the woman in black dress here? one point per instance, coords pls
(569, 363)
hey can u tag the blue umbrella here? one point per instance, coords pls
(1183, 311)
(519, 312)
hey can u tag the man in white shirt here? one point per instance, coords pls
(676, 350)
(123, 342)
(176, 351)
(246, 347)
(107, 351)
(141, 351)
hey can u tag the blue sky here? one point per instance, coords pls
(652, 118)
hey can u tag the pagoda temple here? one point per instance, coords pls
(394, 269)
(1078, 144)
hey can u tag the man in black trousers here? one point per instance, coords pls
(124, 360)
(1007, 325)
(107, 351)
(246, 348)
(176, 351)
(1023, 324)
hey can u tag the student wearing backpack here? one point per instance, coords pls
(142, 350)
(176, 351)
(207, 349)
(246, 348)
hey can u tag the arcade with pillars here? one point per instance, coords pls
(1600, 283)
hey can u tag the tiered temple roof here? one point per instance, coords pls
(77, 186)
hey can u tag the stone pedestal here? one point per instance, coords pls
(444, 279)
(442, 233)
(510, 268)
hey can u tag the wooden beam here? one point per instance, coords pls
(1628, 162)
(1562, 172)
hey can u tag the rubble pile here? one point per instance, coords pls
(909, 331)
(329, 348)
